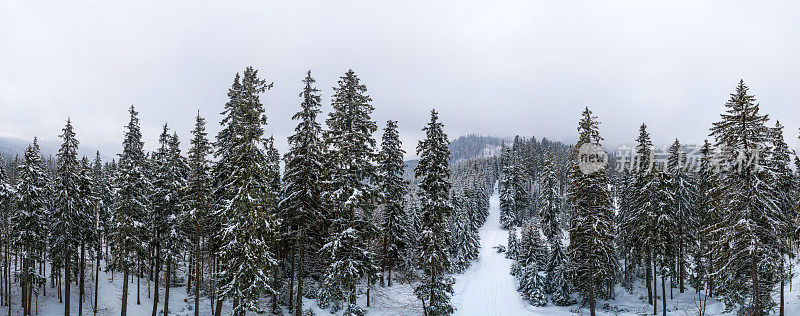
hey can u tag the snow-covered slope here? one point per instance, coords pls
(486, 288)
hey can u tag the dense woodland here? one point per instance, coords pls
(225, 223)
(243, 228)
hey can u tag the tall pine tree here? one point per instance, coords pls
(433, 174)
(746, 240)
(350, 192)
(301, 207)
(591, 249)
(246, 205)
(130, 202)
(393, 189)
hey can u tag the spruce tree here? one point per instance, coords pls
(85, 218)
(27, 222)
(785, 181)
(549, 199)
(174, 239)
(350, 192)
(130, 202)
(747, 243)
(433, 174)
(162, 200)
(393, 189)
(197, 199)
(69, 204)
(683, 189)
(637, 216)
(591, 251)
(246, 206)
(103, 200)
(507, 214)
(464, 244)
(301, 207)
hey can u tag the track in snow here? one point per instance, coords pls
(487, 288)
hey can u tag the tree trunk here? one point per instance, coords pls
(81, 284)
(167, 279)
(124, 309)
(655, 291)
(649, 278)
(156, 270)
(23, 287)
(682, 269)
(96, 279)
(67, 284)
(383, 260)
(292, 275)
(299, 303)
(664, 298)
(754, 276)
(591, 299)
(138, 283)
(198, 271)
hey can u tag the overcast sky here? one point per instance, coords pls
(490, 67)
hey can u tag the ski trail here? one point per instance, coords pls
(487, 288)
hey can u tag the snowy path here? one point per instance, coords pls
(486, 288)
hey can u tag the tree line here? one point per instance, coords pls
(232, 228)
(724, 221)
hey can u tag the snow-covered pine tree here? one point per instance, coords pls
(521, 185)
(129, 211)
(684, 192)
(26, 222)
(393, 189)
(197, 199)
(637, 218)
(591, 250)
(103, 200)
(532, 249)
(785, 181)
(433, 174)
(531, 259)
(246, 208)
(220, 172)
(531, 285)
(512, 245)
(464, 242)
(162, 200)
(7, 196)
(66, 228)
(350, 192)
(748, 247)
(86, 234)
(664, 235)
(301, 207)
(549, 200)
(554, 268)
(174, 211)
(507, 218)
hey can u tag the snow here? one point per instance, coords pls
(110, 297)
(486, 287)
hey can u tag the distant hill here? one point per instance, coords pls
(463, 148)
(474, 146)
(12, 146)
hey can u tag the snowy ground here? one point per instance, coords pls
(485, 289)
(109, 298)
